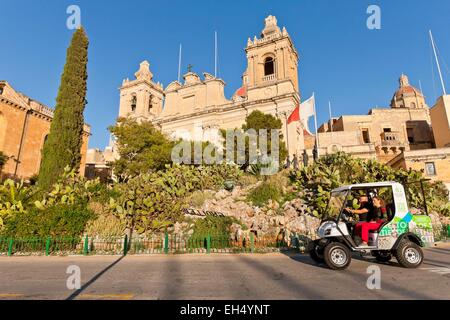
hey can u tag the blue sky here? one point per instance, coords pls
(340, 59)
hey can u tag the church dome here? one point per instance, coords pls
(407, 96)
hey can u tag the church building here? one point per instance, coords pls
(196, 108)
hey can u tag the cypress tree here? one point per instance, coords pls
(63, 144)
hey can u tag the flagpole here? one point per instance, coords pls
(215, 54)
(179, 64)
(331, 118)
(287, 133)
(438, 65)
(315, 124)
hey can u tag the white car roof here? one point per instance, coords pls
(366, 185)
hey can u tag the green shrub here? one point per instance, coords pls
(70, 188)
(213, 226)
(62, 220)
(15, 197)
(154, 200)
(261, 195)
(198, 198)
(247, 180)
(105, 226)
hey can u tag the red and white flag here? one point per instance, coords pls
(307, 110)
(303, 112)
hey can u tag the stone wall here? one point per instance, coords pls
(440, 117)
(24, 125)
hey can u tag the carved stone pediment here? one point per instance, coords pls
(271, 26)
(144, 72)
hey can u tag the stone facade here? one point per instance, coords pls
(440, 118)
(24, 126)
(197, 108)
(384, 132)
(434, 163)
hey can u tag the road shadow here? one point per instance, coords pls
(439, 251)
(286, 281)
(303, 258)
(362, 277)
(93, 279)
(172, 274)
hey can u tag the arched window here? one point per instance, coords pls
(150, 103)
(133, 103)
(269, 67)
(413, 104)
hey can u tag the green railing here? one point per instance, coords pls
(165, 244)
(161, 244)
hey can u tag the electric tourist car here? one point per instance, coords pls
(401, 233)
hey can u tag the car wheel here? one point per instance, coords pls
(337, 256)
(383, 256)
(409, 254)
(315, 253)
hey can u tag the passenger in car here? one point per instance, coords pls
(370, 214)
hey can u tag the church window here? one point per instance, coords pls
(387, 130)
(413, 105)
(1, 90)
(365, 135)
(150, 103)
(133, 103)
(269, 67)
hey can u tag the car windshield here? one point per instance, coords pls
(335, 205)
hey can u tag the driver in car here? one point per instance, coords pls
(370, 215)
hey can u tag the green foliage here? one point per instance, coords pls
(69, 189)
(247, 180)
(17, 200)
(198, 198)
(3, 159)
(142, 148)
(152, 201)
(63, 144)
(105, 226)
(261, 195)
(14, 197)
(445, 209)
(339, 169)
(213, 226)
(258, 120)
(62, 220)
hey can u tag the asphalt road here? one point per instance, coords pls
(220, 276)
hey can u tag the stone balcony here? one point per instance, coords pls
(270, 77)
(389, 139)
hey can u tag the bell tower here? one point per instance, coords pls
(271, 58)
(141, 98)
